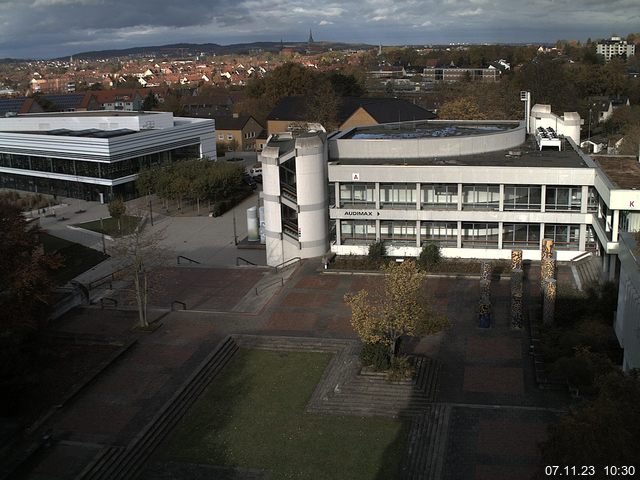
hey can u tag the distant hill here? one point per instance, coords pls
(191, 49)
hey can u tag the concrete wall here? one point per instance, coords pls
(627, 322)
(428, 147)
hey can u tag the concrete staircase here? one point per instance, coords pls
(427, 444)
(115, 462)
(586, 271)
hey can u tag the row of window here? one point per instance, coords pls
(82, 168)
(473, 234)
(476, 197)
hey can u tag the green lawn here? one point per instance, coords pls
(109, 226)
(77, 258)
(252, 416)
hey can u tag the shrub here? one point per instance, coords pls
(429, 256)
(377, 252)
(400, 369)
(375, 355)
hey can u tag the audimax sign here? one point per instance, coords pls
(360, 213)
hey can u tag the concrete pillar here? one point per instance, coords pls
(543, 199)
(616, 225)
(377, 230)
(459, 239)
(338, 232)
(499, 235)
(376, 194)
(501, 204)
(418, 239)
(337, 195)
(459, 197)
(418, 204)
(582, 239)
(584, 199)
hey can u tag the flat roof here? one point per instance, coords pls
(428, 129)
(525, 155)
(624, 172)
(90, 113)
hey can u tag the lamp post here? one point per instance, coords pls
(589, 136)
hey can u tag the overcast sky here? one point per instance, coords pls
(51, 28)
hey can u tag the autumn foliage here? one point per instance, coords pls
(401, 307)
(25, 280)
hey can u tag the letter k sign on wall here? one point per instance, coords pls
(355, 177)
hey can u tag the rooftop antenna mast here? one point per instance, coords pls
(525, 96)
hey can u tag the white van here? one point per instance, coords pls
(256, 172)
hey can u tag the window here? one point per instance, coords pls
(221, 136)
(522, 197)
(444, 234)
(439, 196)
(521, 235)
(397, 195)
(357, 195)
(563, 198)
(398, 232)
(479, 235)
(361, 232)
(229, 136)
(565, 237)
(480, 197)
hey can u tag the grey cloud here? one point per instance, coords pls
(61, 27)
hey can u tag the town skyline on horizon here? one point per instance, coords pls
(58, 28)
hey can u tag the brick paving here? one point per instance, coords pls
(482, 369)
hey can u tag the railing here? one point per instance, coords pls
(113, 302)
(247, 262)
(106, 279)
(190, 260)
(182, 304)
(264, 287)
(580, 257)
(287, 263)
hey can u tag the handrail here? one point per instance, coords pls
(287, 263)
(191, 260)
(244, 260)
(264, 287)
(580, 257)
(184, 305)
(114, 302)
(110, 277)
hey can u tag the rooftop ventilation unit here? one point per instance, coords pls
(547, 137)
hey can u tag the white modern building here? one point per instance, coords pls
(95, 155)
(627, 321)
(477, 188)
(615, 47)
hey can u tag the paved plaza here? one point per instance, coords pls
(495, 415)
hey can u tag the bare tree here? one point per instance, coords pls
(141, 254)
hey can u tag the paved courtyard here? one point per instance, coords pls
(498, 415)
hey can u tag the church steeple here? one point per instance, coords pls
(310, 41)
